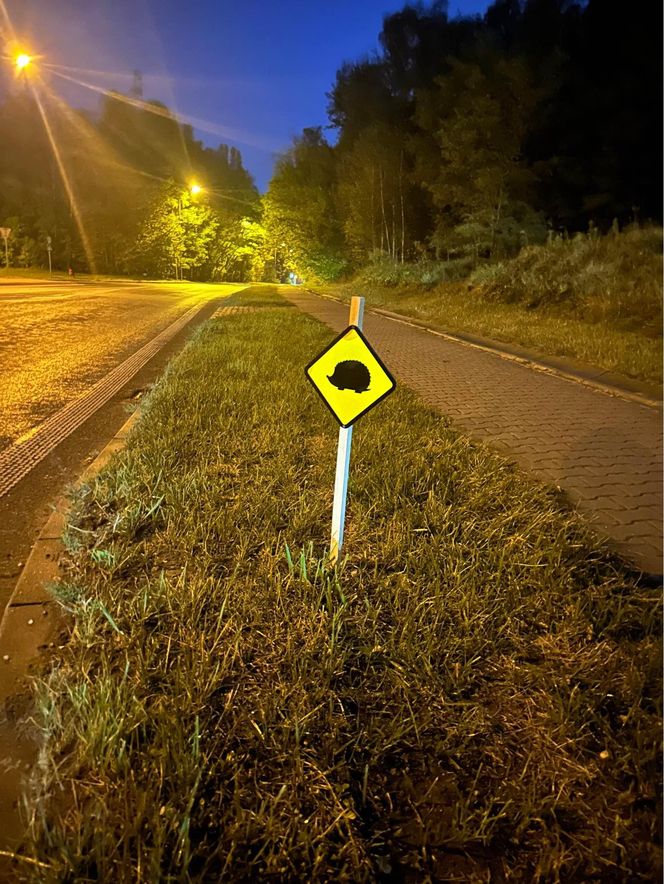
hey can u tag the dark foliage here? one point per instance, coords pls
(472, 136)
(120, 163)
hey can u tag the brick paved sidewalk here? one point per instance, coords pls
(603, 450)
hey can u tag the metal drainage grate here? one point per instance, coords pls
(17, 460)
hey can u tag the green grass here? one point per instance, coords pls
(474, 693)
(597, 300)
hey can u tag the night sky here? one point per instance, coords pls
(255, 71)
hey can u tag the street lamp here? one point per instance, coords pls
(22, 60)
(194, 189)
(178, 267)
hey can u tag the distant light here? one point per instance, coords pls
(22, 61)
(195, 188)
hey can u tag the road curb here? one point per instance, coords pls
(19, 646)
(30, 599)
(613, 385)
(31, 627)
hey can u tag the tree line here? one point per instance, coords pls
(464, 137)
(127, 205)
(476, 136)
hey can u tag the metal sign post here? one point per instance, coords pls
(343, 459)
(351, 379)
(49, 249)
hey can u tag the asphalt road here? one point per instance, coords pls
(56, 340)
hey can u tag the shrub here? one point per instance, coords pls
(325, 267)
(615, 278)
(387, 272)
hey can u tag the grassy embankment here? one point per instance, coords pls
(597, 300)
(476, 691)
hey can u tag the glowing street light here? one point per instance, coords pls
(193, 188)
(22, 60)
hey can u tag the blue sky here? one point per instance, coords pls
(255, 72)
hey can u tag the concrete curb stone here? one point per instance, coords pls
(32, 625)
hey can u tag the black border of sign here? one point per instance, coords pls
(375, 356)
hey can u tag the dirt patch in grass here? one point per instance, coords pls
(474, 694)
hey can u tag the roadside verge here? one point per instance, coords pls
(32, 626)
(475, 689)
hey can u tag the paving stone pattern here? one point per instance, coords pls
(603, 450)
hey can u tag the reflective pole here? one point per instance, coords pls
(343, 459)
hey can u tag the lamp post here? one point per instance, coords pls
(178, 268)
(21, 61)
(194, 188)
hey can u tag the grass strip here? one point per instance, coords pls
(473, 694)
(454, 307)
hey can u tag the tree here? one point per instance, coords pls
(477, 116)
(375, 193)
(361, 96)
(417, 44)
(240, 252)
(116, 162)
(176, 237)
(597, 140)
(299, 210)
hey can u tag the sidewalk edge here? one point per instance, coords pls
(622, 387)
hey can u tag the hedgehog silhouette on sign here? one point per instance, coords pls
(350, 375)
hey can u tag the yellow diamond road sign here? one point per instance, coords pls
(349, 376)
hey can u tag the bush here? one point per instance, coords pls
(326, 267)
(616, 278)
(385, 271)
